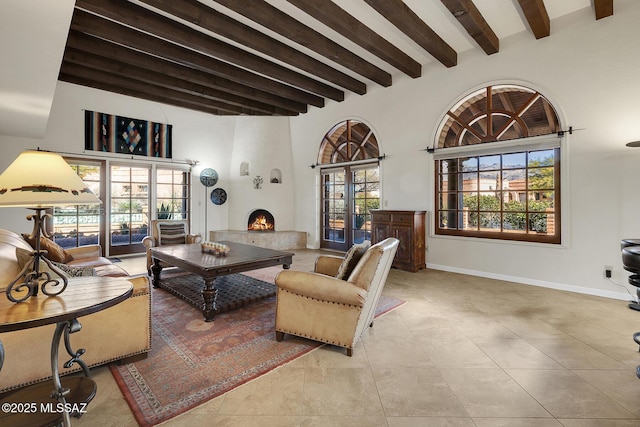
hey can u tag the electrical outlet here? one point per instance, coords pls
(608, 271)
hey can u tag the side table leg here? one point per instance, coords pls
(59, 393)
(209, 294)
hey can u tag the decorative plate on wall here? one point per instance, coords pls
(208, 177)
(218, 196)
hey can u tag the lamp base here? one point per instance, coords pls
(31, 279)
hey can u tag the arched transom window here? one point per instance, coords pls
(498, 166)
(498, 113)
(348, 141)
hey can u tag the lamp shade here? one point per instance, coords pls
(39, 179)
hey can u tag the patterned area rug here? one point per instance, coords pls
(193, 361)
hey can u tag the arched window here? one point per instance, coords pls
(498, 166)
(350, 184)
(348, 141)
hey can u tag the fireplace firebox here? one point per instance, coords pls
(261, 220)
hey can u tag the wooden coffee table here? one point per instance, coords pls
(191, 258)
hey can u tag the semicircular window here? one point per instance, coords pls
(498, 113)
(348, 141)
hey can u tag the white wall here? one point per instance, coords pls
(265, 144)
(590, 71)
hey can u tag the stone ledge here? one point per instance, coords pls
(281, 240)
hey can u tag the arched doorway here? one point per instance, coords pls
(350, 184)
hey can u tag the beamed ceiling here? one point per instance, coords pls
(279, 57)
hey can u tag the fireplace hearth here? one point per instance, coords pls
(261, 220)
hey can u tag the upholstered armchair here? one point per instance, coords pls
(167, 232)
(323, 308)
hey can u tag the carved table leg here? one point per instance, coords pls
(209, 294)
(156, 268)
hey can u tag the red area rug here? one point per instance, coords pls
(193, 361)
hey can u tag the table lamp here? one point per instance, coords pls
(39, 180)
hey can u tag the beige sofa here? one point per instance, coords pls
(122, 332)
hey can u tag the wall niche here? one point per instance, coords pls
(244, 168)
(275, 177)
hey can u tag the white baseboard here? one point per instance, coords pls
(526, 281)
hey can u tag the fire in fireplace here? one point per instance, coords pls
(261, 220)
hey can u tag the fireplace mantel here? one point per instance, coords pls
(280, 240)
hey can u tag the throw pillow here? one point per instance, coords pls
(351, 259)
(24, 256)
(54, 251)
(171, 234)
(75, 271)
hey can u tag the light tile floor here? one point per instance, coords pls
(462, 351)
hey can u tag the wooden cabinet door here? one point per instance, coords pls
(404, 233)
(380, 232)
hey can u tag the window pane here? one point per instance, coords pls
(542, 223)
(541, 201)
(489, 162)
(488, 202)
(469, 201)
(541, 158)
(469, 164)
(514, 160)
(515, 222)
(489, 220)
(541, 178)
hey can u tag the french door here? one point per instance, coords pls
(348, 194)
(129, 210)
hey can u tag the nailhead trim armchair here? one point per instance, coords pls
(330, 310)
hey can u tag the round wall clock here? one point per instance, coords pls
(208, 177)
(218, 196)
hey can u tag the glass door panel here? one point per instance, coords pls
(84, 224)
(366, 196)
(333, 210)
(129, 208)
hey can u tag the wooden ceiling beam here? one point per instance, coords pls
(603, 8)
(110, 51)
(400, 15)
(205, 17)
(96, 26)
(150, 75)
(277, 21)
(137, 86)
(537, 16)
(472, 20)
(339, 20)
(143, 19)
